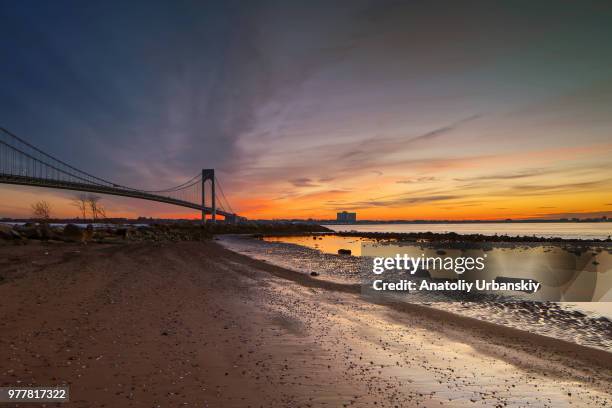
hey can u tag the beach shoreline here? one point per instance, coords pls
(162, 323)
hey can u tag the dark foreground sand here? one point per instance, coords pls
(192, 324)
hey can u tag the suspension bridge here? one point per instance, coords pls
(23, 164)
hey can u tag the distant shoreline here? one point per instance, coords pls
(515, 232)
(455, 237)
(374, 222)
(442, 237)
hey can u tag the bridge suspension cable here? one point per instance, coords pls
(224, 200)
(196, 179)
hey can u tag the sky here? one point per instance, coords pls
(392, 109)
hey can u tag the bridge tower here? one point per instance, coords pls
(209, 174)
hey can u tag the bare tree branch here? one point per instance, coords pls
(41, 211)
(80, 201)
(96, 208)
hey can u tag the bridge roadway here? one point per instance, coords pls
(93, 188)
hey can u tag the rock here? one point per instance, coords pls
(48, 233)
(313, 273)
(130, 233)
(342, 251)
(72, 233)
(88, 233)
(8, 232)
(31, 232)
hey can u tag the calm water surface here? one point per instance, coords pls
(568, 230)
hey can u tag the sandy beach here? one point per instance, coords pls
(159, 324)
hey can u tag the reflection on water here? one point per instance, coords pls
(570, 321)
(566, 230)
(327, 243)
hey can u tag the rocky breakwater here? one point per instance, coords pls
(35, 232)
(21, 234)
(31, 232)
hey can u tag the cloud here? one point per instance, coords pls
(417, 180)
(543, 189)
(303, 182)
(373, 150)
(348, 159)
(509, 176)
(351, 154)
(429, 136)
(401, 201)
(322, 195)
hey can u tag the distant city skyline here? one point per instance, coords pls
(394, 110)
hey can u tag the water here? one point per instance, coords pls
(567, 230)
(583, 323)
(566, 272)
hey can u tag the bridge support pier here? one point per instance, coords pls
(209, 174)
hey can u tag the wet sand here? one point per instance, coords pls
(193, 324)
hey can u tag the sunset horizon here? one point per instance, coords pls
(516, 195)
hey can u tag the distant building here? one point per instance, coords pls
(346, 217)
